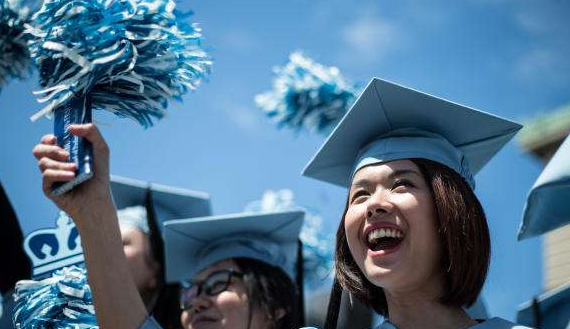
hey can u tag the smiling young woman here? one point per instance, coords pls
(438, 219)
(413, 242)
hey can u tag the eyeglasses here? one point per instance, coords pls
(214, 284)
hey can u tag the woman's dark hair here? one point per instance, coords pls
(462, 229)
(272, 291)
(166, 309)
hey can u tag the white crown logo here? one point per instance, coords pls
(52, 248)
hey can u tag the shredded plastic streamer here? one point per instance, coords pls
(14, 54)
(317, 247)
(62, 301)
(129, 56)
(307, 95)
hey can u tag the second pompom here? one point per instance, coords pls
(307, 95)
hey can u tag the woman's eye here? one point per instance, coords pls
(402, 184)
(359, 196)
(217, 287)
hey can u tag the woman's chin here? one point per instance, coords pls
(381, 271)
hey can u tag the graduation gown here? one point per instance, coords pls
(492, 323)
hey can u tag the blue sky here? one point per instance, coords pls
(507, 57)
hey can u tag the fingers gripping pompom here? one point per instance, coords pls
(129, 56)
(61, 301)
(14, 54)
(307, 95)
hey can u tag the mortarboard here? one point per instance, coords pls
(192, 245)
(392, 122)
(549, 310)
(547, 206)
(167, 202)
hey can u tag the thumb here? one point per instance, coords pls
(91, 133)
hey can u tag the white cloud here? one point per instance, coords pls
(240, 41)
(540, 64)
(547, 33)
(530, 22)
(244, 118)
(369, 38)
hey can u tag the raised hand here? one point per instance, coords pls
(54, 165)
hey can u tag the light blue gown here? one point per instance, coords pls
(493, 323)
(150, 323)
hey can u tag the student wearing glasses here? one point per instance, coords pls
(413, 241)
(237, 271)
(240, 269)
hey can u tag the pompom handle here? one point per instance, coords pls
(77, 111)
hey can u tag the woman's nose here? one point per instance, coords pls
(374, 211)
(377, 207)
(200, 303)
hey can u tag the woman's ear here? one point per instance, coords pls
(279, 314)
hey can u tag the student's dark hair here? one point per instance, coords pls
(462, 229)
(272, 291)
(166, 307)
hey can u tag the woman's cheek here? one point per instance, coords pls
(185, 319)
(234, 308)
(353, 222)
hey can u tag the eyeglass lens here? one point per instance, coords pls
(214, 284)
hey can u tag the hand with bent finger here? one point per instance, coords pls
(53, 163)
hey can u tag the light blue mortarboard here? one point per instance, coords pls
(551, 309)
(391, 122)
(168, 202)
(192, 245)
(548, 202)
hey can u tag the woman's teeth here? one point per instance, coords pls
(384, 238)
(384, 233)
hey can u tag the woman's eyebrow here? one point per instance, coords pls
(403, 172)
(361, 183)
(364, 182)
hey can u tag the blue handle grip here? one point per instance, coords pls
(80, 150)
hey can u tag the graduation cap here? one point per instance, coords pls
(192, 245)
(135, 200)
(392, 122)
(547, 206)
(549, 310)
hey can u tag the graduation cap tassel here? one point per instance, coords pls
(154, 231)
(536, 312)
(126, 57)
(300, 283)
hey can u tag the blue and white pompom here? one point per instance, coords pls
(14, 54)
(317, 247)
(62, 301)
(129, 57)
(307, 95)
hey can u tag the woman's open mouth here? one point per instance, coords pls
(202, 319)
(384, 239)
